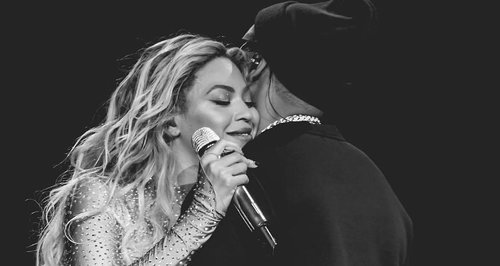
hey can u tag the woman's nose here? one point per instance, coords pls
(243, 112)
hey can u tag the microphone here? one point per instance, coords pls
(202, 140)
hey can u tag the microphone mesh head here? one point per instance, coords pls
(202, 137)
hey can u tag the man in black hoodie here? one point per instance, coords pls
(326, 201)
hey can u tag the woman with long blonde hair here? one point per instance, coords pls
(120, 202)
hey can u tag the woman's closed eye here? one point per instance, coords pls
(222, 102)
(220, 97)
(225, 98)
(250, 104)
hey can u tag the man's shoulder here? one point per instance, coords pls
(326, 131)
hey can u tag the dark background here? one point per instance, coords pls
(422, 121)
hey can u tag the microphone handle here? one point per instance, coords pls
(246, 206)
(251, 214)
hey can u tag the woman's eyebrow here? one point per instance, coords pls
(221, 86)
(227, 88)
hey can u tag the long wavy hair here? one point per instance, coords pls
(129, 150)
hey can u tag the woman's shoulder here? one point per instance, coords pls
(88, 196)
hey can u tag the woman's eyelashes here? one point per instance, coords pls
(221, 102)
(220, 97)
(249, 104)
(227, 98)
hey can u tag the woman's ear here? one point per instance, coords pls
(171, 129)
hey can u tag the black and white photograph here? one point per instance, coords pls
(263, 132)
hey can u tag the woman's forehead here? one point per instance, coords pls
(219, 68)
(219, 71)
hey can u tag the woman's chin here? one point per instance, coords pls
(240, 139)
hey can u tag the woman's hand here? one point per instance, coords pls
(225, 167)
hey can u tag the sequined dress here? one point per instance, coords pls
(99, 239)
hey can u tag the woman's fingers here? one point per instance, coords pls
(227, 152)
(240, 179)
(235, 170)
(222, 148)
(225, 165)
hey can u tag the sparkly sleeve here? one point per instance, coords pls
(95, 240)
(190, 232)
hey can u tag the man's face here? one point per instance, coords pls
(258, 78)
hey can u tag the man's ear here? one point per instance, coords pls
(257, 72)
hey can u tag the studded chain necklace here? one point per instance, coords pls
(293, 118)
